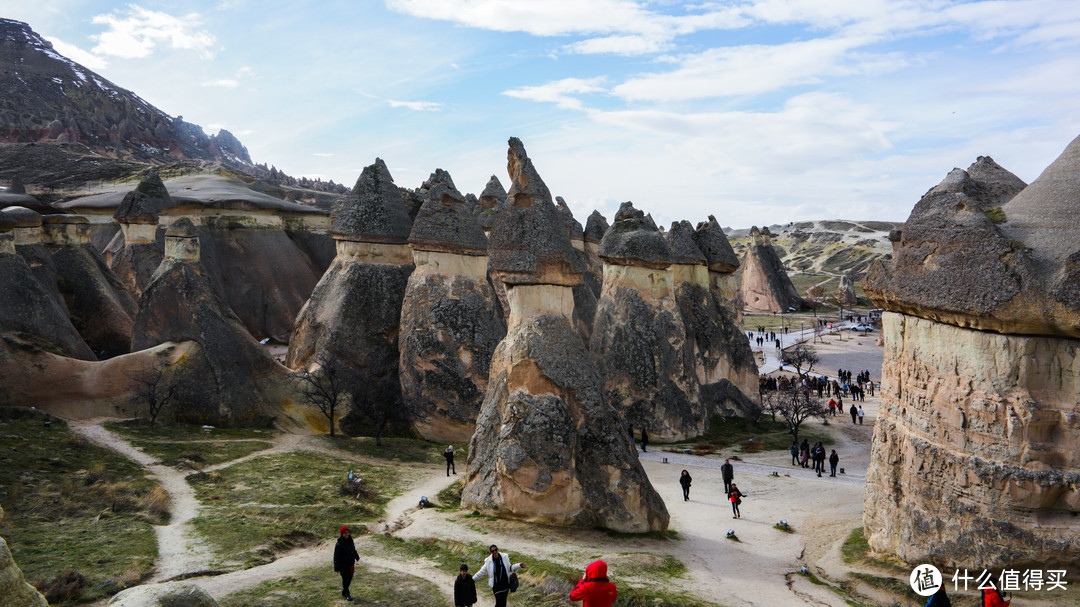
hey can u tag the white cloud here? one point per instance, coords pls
(559, 91)
(547, 18)
(418, 106)
(228, 83)
(76, 54)
(754, 69)
(136, 34)
(323, 154)
(620, 45)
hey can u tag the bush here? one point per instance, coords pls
(68, 586)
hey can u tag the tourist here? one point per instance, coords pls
(862, 414)
(795, 453)
(345, 558)
(727, 472)
(735, 497)
(644, 440)
(819, 458)
(804, 451)
(594, 588)
(464, 588)
(832, 406)
(633, 441)
(939, 598)
(834, 459)
(854, 413)
(685, 480)
(449, 455)
(992, 598)
(497, 567)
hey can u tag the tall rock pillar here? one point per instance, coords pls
(547, 448)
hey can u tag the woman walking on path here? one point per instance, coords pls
(804, 453)
(735, 496)
(345, 558)
(684, 480)
(497, 567)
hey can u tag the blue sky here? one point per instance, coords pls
(755, 111)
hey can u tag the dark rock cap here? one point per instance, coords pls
(595, 227)
(1001, 184)
(444, 223)
(573, 225)
(372, 211)
(16, 186)
(680, 239)
(713, 243)
(63, 219)
(7, 224)
(22, 216)
(145, 202)
(472, 203)
(528, 242)
(1045, 216)
(633, 240)
(181, 228)
(493, 195)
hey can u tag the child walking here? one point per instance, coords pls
(464, 588)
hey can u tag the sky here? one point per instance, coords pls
(755, 111)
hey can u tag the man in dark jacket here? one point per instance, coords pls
(728, 474)
(854, 412)
(594, 588)
(834, 459)
(345, 557)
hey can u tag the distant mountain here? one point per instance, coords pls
(47, 97)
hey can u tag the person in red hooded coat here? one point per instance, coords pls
(594, 588)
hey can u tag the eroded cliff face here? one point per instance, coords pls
(976, 454)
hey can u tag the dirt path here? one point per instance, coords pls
(180, 550)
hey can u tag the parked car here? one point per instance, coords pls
(865, 328)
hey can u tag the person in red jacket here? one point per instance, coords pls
(991, 598)
(594, 588)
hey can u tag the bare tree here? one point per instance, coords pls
(380, 404)
(327, 387)
(155, 387)
(800, 356)
(795, 406)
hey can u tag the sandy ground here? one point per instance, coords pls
(757, 570)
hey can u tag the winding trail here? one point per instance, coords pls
(180, 550)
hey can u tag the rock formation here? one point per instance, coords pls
(450, 323)
(489, 203)
(14, 591)
(587, 292)
(168, 594)
(595, 227)
(845, 294)
(29, 314)
(722, 358)
(224, 382)
(547, 447)
(974, 459)
(99, 304)
(354, 313)
(639, 336)
(764, 284)
(722, 263)
(138, 215)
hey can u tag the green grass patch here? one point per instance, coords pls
(70, 505)
(844, 591)
(735, 433)
(196, 455)
(407, 450)
(784, 528)
(321, 586)
(270, 503)
(890, 585)
(138, 430)
(996, 214)
(450, 498)
(856, 550)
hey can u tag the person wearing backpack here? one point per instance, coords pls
(939, 598)
(498, 569)
(594, 588)
(735, 496)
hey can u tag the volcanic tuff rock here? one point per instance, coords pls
(450, 323)
(490, 201)
(764, 284)
(638, 333)
(547, 447)
(722, 358)
(145, 202)
(354, 313)
(846, 293)
(595, 227)
(29, 314)
(573, 226)
(169, 594)
(722, 263)
(224, 382)
(974, 458)
(14, 591)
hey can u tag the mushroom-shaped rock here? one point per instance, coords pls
(573, 226)
(634, 240)
(143, 204)
(547, 447)
(680, 240)
(529, 243)
(764, 285)
(490, 201)
(450, 322)
(712, 241)
(22, 216)
(372, 210)
(595, 227)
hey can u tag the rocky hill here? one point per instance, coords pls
(818, 253)
(63, 126)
